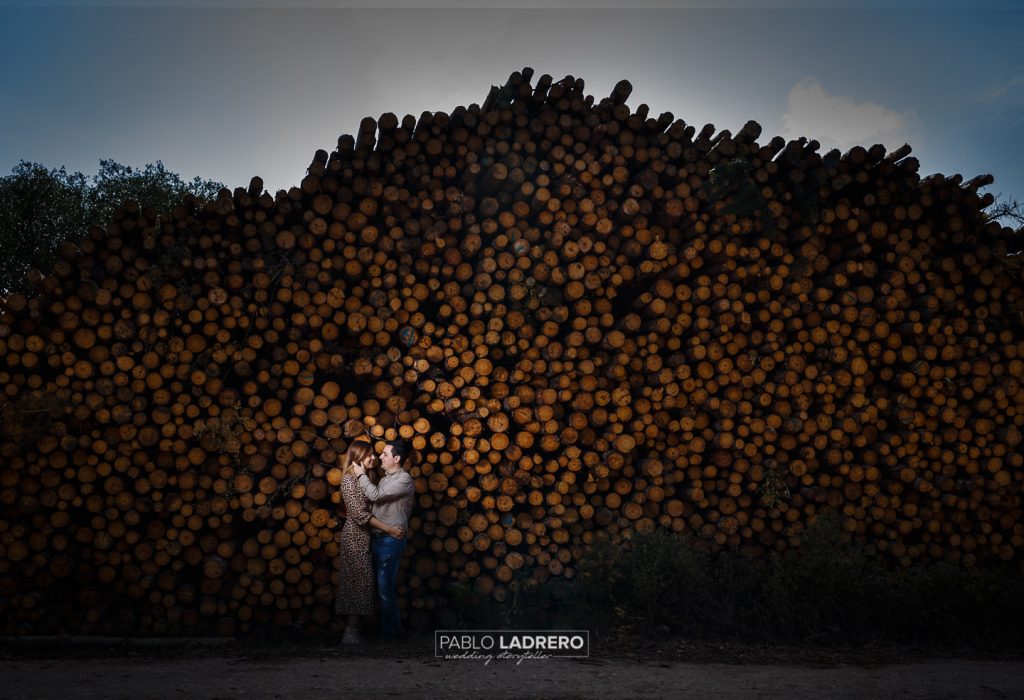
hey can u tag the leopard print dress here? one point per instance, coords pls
(355, 593)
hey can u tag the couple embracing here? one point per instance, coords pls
(374, 536)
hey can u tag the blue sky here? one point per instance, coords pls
(247, 88)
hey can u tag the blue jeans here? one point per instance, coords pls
(387, 555)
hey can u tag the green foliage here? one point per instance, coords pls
(945, 602)
(733, 180)
(666, 578)
(733, 183)
(826, 591)
(25, 420)
(527, 605)
(773, 488)
(39, 210)
(42, 208)
(223, 433)
(153, 186)
(665, 582)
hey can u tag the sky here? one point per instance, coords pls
(231, 89)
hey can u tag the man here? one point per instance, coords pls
(390, 502)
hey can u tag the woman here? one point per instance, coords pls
(355, 592)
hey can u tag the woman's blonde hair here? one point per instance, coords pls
(356, 452)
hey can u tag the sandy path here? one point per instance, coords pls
(334, 675)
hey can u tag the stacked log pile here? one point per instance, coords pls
(589, 322)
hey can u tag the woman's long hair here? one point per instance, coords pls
(357, 451)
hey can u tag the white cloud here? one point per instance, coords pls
(1011, 89)
(840, 122)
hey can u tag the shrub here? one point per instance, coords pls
(826, 591)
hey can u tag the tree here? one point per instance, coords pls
(42, 208)
(154, 186)
(39, 210)
(1008, 209)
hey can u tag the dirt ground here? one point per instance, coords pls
(76, 668)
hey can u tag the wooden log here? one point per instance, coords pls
(588, 323)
